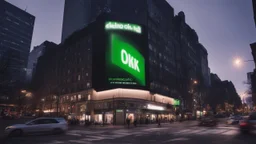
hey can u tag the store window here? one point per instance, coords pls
(79, 97)
(79, 77)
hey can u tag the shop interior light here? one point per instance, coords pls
(154, 107)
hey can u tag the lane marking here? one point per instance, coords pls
(80, 141)
(177, 139)
(73, 134)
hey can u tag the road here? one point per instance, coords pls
(176, 133)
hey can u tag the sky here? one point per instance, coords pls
(225, 28)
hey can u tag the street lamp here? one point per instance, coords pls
(23, 91)
(195, 82)
(238, 62)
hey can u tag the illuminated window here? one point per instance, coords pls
(89, 97)
(79, 77)
(79, 97)
(88, 84)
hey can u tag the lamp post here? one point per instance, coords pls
(238, 62)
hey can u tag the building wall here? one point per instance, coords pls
(33, 57)
(16, 30)
(79, 13)
(173, 45)
(162, 68)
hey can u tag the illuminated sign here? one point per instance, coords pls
(125, 62)
(154, 107)
(176, 102)
(129, 60)
(123, 26)
(119, 110)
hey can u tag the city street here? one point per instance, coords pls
(176, 133)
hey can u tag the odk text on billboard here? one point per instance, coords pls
(125, 54)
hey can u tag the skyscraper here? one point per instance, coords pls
(79, 13)
(175, 54)
(16, 30)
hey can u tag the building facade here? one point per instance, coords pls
(33, 57)
(87, 11)
(85, 76)
(16, 30)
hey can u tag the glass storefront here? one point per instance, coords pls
(98, 118)
(108, 118)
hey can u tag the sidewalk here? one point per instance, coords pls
(100, 127)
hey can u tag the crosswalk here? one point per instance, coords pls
(208, 131)
(88, 136)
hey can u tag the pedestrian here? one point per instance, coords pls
(135, 122)
(128, 122)
(159, 122)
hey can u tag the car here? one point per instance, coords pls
(234, 120)
(249, 124)
(208, 121)
(37, 126)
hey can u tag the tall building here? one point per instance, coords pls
(79, 13)
(102, 73)
(16, 30)
(253, 48)
(254, 10)
(222, 93)
(34, 55)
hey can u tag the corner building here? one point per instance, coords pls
(100, 73)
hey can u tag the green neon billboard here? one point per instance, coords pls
(126, 57)
(125, 62)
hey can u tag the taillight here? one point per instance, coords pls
(243, 124)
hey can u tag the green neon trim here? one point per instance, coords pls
(112, 25)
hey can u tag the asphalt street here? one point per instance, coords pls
(176, 133)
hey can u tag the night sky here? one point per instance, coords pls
(225, 28)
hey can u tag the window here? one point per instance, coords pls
(34, 122)
(79, 97)
(47, 121)
(79, 77)
(88, 84)
(74, 97)
(89, 97)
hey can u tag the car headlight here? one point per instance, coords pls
(8, 127)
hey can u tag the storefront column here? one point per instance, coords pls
(103, 118)
(114, 117)
(124, 116)
(92, 115)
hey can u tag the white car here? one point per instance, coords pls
(38, 126)
(234, 120)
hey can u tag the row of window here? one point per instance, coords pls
(69, 98)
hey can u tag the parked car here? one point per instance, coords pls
(208, 121)
(38, 126)
(249, 124)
